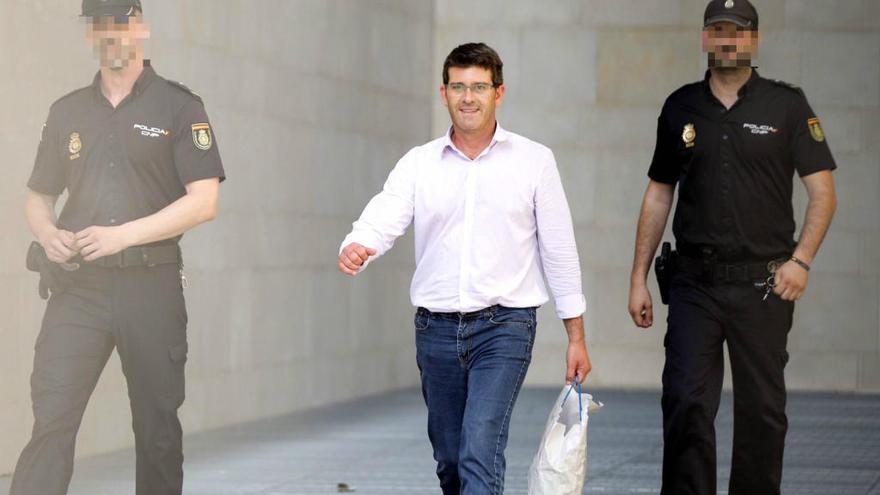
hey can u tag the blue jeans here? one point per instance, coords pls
(472, 367)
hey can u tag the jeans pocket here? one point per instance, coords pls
(507, 316)
(517, 326)
(421, 321)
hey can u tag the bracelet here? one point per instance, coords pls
(800, 263)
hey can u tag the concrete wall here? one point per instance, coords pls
(588, 78)
(312, 101)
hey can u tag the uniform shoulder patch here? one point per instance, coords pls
(185, 88)
(816, 129)
(201, 133)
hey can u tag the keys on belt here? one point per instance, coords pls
(768, 285)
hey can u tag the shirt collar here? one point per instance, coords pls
(148, 75)
(501, 135)
(743, 91)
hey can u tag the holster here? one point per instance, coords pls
(663, 268)
(53, 278)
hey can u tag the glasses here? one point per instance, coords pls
(459, 89)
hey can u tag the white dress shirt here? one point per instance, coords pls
(486, 230)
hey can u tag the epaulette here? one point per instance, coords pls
(75, 91)
(185, 88)
(787, 85)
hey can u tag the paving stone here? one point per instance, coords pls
(378, 446)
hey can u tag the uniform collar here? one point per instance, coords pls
(743, 91)
(501, 135)
(148, 75)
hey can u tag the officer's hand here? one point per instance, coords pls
(641, 309)
(60, 245)
(353, 257)
(791, 281)
(97, 242)
(577, 361)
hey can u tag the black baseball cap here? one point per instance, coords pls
(740, 12)
(116, 8)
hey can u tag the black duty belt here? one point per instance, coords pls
(164, 254)
(727, 272)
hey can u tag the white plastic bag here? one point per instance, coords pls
(560, 466)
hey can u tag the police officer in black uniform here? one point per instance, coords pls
(732, 143)
(136, 154)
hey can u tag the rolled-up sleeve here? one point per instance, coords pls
(556, 241)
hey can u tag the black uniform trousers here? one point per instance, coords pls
(702, 316)
(141, 312)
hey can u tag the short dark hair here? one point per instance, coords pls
(475, 55)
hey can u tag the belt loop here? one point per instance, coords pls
(125, 258)
(709, 264)
(145, 256)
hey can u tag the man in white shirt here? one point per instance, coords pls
(491, 220)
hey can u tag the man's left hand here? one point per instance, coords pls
(791, 281)
(97, 242)
(577, 362)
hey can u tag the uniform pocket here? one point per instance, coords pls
(783, 356)
(177, 381)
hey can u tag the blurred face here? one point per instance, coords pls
(117, 41)
(729, 45)
(471, 98)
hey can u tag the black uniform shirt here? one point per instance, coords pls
(735, 168)
(126, 163)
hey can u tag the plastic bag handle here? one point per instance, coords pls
(580, 401)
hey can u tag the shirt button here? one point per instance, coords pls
(112, 220)
(724, 137)
(112, 164)
(726, 165)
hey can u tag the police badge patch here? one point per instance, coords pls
(202, 136)
(74, 146)
(689, 135)
(816, 130)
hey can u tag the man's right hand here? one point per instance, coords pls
(353, 257)
(641, 308)
(60, 245)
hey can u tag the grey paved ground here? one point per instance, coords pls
(378, 447)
